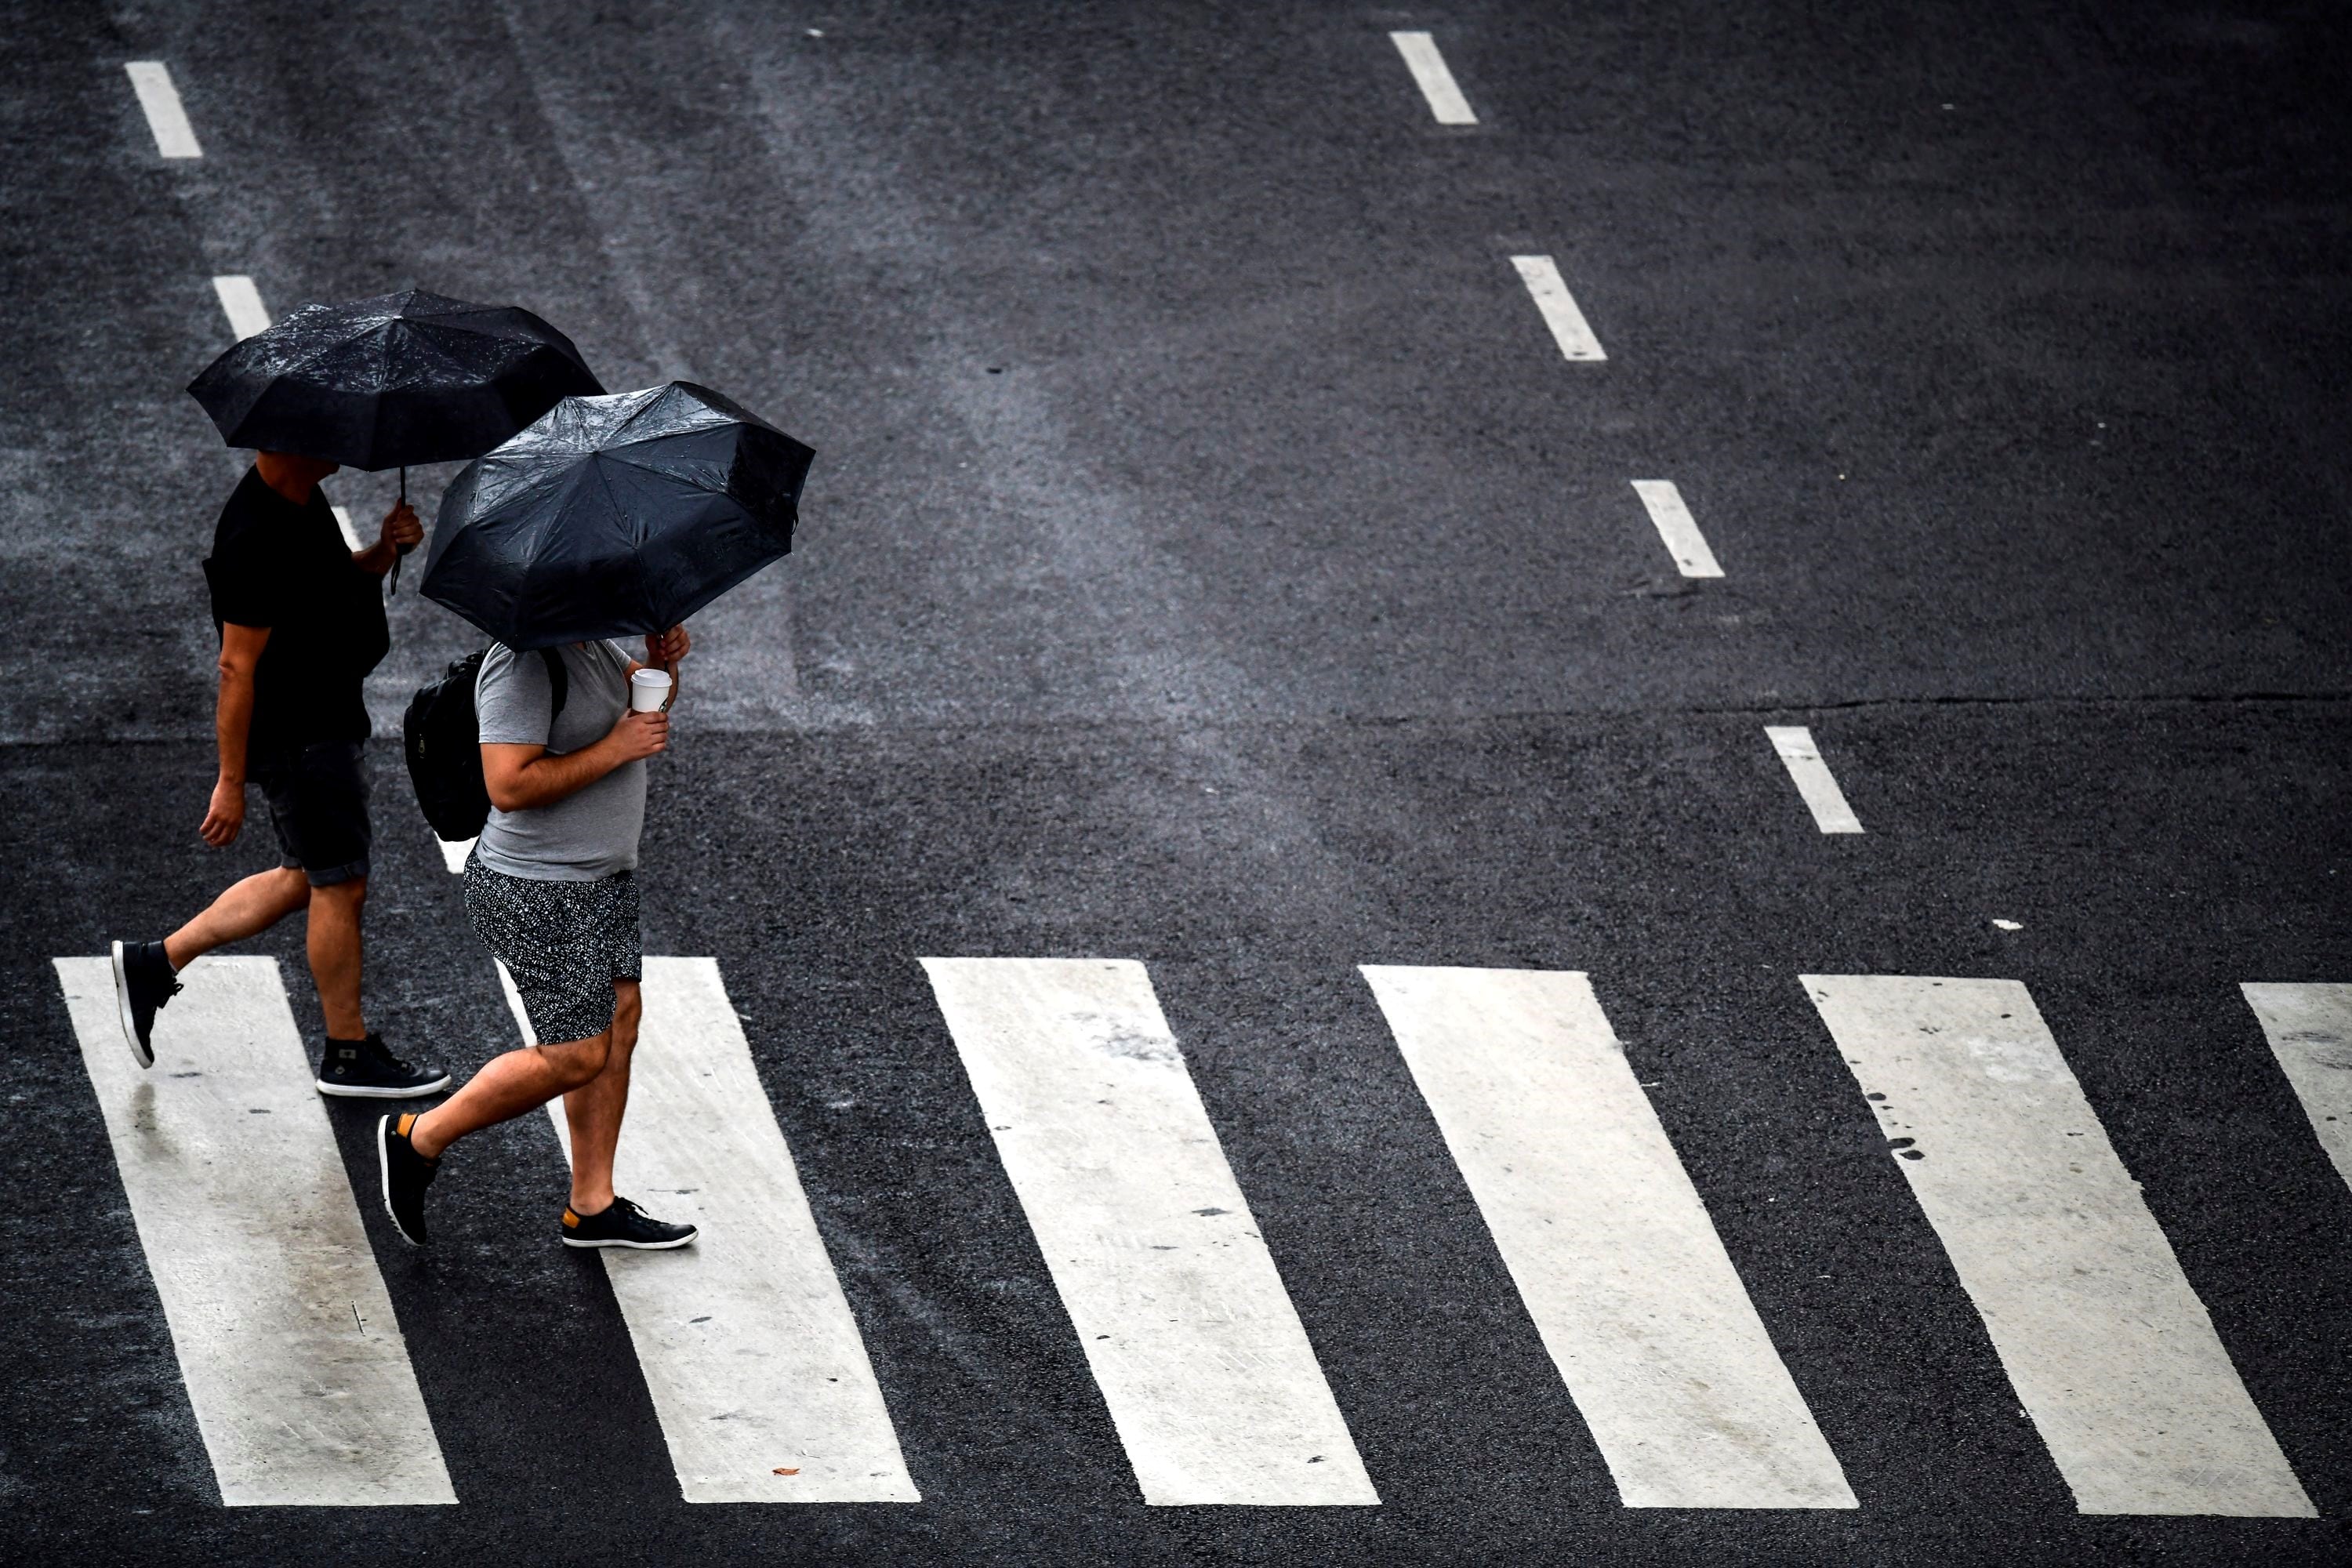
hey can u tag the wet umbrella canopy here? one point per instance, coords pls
(616, 516)
(399, 379)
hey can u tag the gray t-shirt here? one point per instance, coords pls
(594, 832)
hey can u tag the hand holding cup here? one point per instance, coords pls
(641, 734)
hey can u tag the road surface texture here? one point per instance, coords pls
(1224, 563)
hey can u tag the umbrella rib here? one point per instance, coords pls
(375, 414)
(452, 323)
(627, 419)
(419, 339)
(637, 538)
(673, 476)
(315, 355)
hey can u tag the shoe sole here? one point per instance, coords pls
(143, 1055)
(384, 1171)
(354, 1091)
(632, 1246)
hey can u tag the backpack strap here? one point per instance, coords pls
(560, 678)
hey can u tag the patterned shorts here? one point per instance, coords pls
(565, 944)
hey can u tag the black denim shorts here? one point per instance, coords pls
(318, 797)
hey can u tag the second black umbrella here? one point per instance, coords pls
(614, 516)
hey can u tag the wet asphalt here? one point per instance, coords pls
(1210, 560)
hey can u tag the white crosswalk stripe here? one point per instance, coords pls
(294, 1364)
(1191, 1336)
(2309, 1027)
(748, 1346)
(1607, 1240)
(2109, 1349)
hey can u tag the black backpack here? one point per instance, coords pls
(443, 738)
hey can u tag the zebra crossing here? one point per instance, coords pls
(304, 1393)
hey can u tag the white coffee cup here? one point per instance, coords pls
(648, 690)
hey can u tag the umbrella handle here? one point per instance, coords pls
(402, 553)
(670, 667)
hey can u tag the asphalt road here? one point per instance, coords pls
(1210, 561)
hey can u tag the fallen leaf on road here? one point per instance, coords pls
(786, 1471)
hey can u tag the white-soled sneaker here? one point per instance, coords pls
(143, 981)
(366, 1070)
(623, 1224)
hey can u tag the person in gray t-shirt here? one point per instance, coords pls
(551, 889)
(591, 832)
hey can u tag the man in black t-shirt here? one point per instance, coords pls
(302, 622)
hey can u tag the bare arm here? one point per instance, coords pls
(240, 655)
(523, 778)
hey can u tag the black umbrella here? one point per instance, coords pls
(399, 379)
(614, 516)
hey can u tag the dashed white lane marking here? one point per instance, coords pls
(1813, 778)
(747, 1343)
(295, 1366)
(240, 301)
(454, 853)
(343, 521)
(175, 137)
(1200, 1357)
(1569, 328)
(2310, 1031)
(2109, 1349)
(1436, 82)
(1608, 1241)
(1677, 528)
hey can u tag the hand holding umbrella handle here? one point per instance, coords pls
(400, 553)
(657, 650)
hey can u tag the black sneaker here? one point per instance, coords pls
(623, 1224)
(365, 1069)
(143, 981)
(407, 1174)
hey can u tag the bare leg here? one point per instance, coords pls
(510, 1085)
(247, 909)
(594, 1110)
(334, 943)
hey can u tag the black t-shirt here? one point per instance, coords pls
(286, 567)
